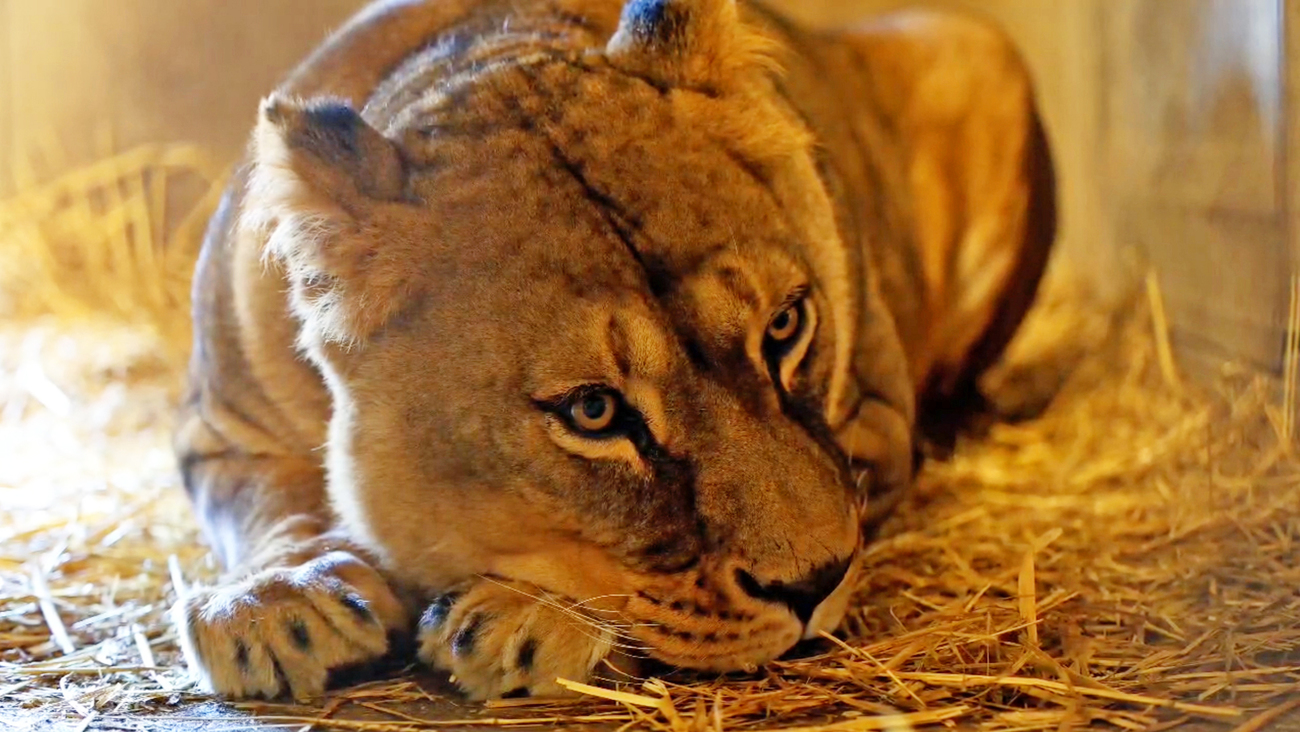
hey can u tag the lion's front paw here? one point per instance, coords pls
(500, 640)
(284, 630)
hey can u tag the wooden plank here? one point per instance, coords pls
(1192, 136)
(6, 101)
(1291, 138)
(1192, 103)
(1290, 170)
(1224, 277)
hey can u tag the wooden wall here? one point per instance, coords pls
(1170, 129)
(1167, 117)
(1193, 130)
(145, 70)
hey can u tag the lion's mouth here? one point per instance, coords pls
(742, 629)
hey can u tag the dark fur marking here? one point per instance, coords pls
(678, 473)
(299, 634)
(660, 26)
(462, 644)
(740, 287)
(803, 596)
(753, 170)
(625, 225)
(527, 652)
(436, 614)
(672, 555)
(192, 460)
(358, 607)
(588, 63)
(566, 17)
(281, 678)
(649, 598)
(659, 86)
(241, 655)
(219, 400)
(612, 212)
(332, 128)
(653, 21)
(621, 361)
(695, 354)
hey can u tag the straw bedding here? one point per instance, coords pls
(1128, 557)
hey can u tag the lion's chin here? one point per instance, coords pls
(741, 645)
(745, 649)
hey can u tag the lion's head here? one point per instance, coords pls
(587, 322)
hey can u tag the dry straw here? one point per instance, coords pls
(1126, 557)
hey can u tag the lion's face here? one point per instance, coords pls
(580, 338)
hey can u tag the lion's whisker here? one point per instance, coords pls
(547, 600)
(594, 598)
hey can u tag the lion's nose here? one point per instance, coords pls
(802, 596)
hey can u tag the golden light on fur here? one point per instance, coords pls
(303, 213)
(937, 631)
(437, 263)
(596, 448)
(532, 575)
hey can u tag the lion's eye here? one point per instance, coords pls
(594, 412)
(786, 341)
(785, 324)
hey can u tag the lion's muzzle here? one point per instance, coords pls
(729, 619)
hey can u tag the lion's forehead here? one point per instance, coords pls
(599, 212)
(560, 141)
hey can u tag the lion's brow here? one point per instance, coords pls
(626, 349)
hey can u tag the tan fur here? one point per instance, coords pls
(457, 213)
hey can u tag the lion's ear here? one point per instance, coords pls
(698, 44)
(320, 181)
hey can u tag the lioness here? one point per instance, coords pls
(557, 332)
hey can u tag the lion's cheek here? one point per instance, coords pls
(435, 537)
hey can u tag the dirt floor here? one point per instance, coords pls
(442, 709)
(215, 717)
